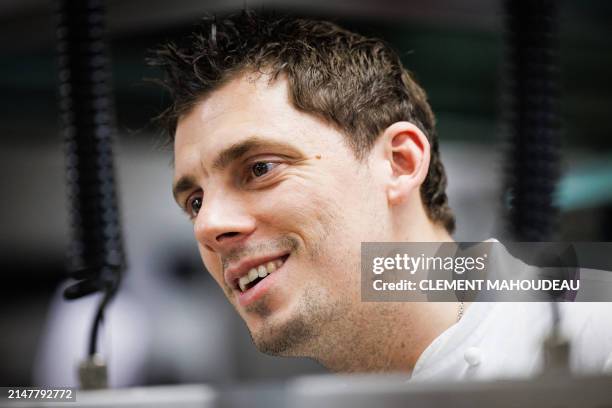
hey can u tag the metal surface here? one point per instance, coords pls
(364, 391)
(391, 392)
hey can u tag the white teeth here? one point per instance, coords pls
(271, 267)
(261, 271)
(243, 282)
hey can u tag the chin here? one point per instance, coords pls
(297, 330)
(291, 333)
(286, 338)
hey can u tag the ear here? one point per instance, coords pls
(407, 150)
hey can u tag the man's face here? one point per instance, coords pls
(278, 192)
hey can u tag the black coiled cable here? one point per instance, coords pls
(531, 110)
(88, 125)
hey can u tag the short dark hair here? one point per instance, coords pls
(354, 83)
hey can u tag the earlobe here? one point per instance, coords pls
(407, 151)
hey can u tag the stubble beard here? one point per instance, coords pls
(304, 333)
(315, 315)
(342, 336)
(313, 310)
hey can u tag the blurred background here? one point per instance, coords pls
(170, 323)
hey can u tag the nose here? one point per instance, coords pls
(222, 222)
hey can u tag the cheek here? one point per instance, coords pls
(298, 206)
(319, 216)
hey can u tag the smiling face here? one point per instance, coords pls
(280, 206)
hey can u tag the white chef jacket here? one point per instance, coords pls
(495, 340)
(504, 340)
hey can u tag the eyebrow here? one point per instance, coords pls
(239, 149)
(185, 183)
(228, 156)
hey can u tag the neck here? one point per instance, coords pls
(385, 337)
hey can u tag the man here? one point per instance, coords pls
(294, 142)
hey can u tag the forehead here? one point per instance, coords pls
(239, 101)
(246, 107)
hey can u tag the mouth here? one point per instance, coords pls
(258, 273)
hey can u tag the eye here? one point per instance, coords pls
(260, 168)
(194, 203)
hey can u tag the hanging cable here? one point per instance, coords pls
(531, 114)
(531, 110)
(88, 125)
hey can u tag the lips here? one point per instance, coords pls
(257, 273)
(258, 289)
(248, 272)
